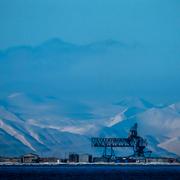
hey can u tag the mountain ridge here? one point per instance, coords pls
(56, 137)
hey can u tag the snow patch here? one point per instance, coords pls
(13, 95)
(116, 119)
(14, 133)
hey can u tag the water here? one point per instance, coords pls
(87, 172)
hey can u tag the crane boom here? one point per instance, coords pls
(133, 140)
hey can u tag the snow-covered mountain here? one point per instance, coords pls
(51, 126)
(55, 96)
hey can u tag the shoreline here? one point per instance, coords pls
(89, 164)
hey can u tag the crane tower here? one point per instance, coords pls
(133, 141)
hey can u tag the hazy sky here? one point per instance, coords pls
(82, 21)
(150, 69)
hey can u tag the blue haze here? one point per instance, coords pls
(142, 61)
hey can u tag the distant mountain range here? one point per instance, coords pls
(55, 96)
(105, 70)
(48, 126)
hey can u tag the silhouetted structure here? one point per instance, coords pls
(133, 140)
(30, 158)
(48, 160)
(86, 158)
(73, 157)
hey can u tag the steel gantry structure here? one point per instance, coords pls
(133, 141)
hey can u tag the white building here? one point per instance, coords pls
(86, 158)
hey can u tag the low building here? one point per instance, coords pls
(178, 160)
(65, 160)
(10, 160)
(160, 160)
(86, 158)
(128, 160)
(100, 159)
(73, 157)
(49, 160)
(141, 160)
(30, 158)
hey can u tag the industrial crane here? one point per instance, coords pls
(133, 141)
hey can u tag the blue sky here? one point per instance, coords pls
(151, 69)
(82, 21)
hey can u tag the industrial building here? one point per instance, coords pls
(30, 158)
(73, 157)
(49, 160)
(161, 160)
(81, 158)
(10, 159)
(85, 158)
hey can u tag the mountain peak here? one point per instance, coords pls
(56, 43)
(107, 43)
(134, 102)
